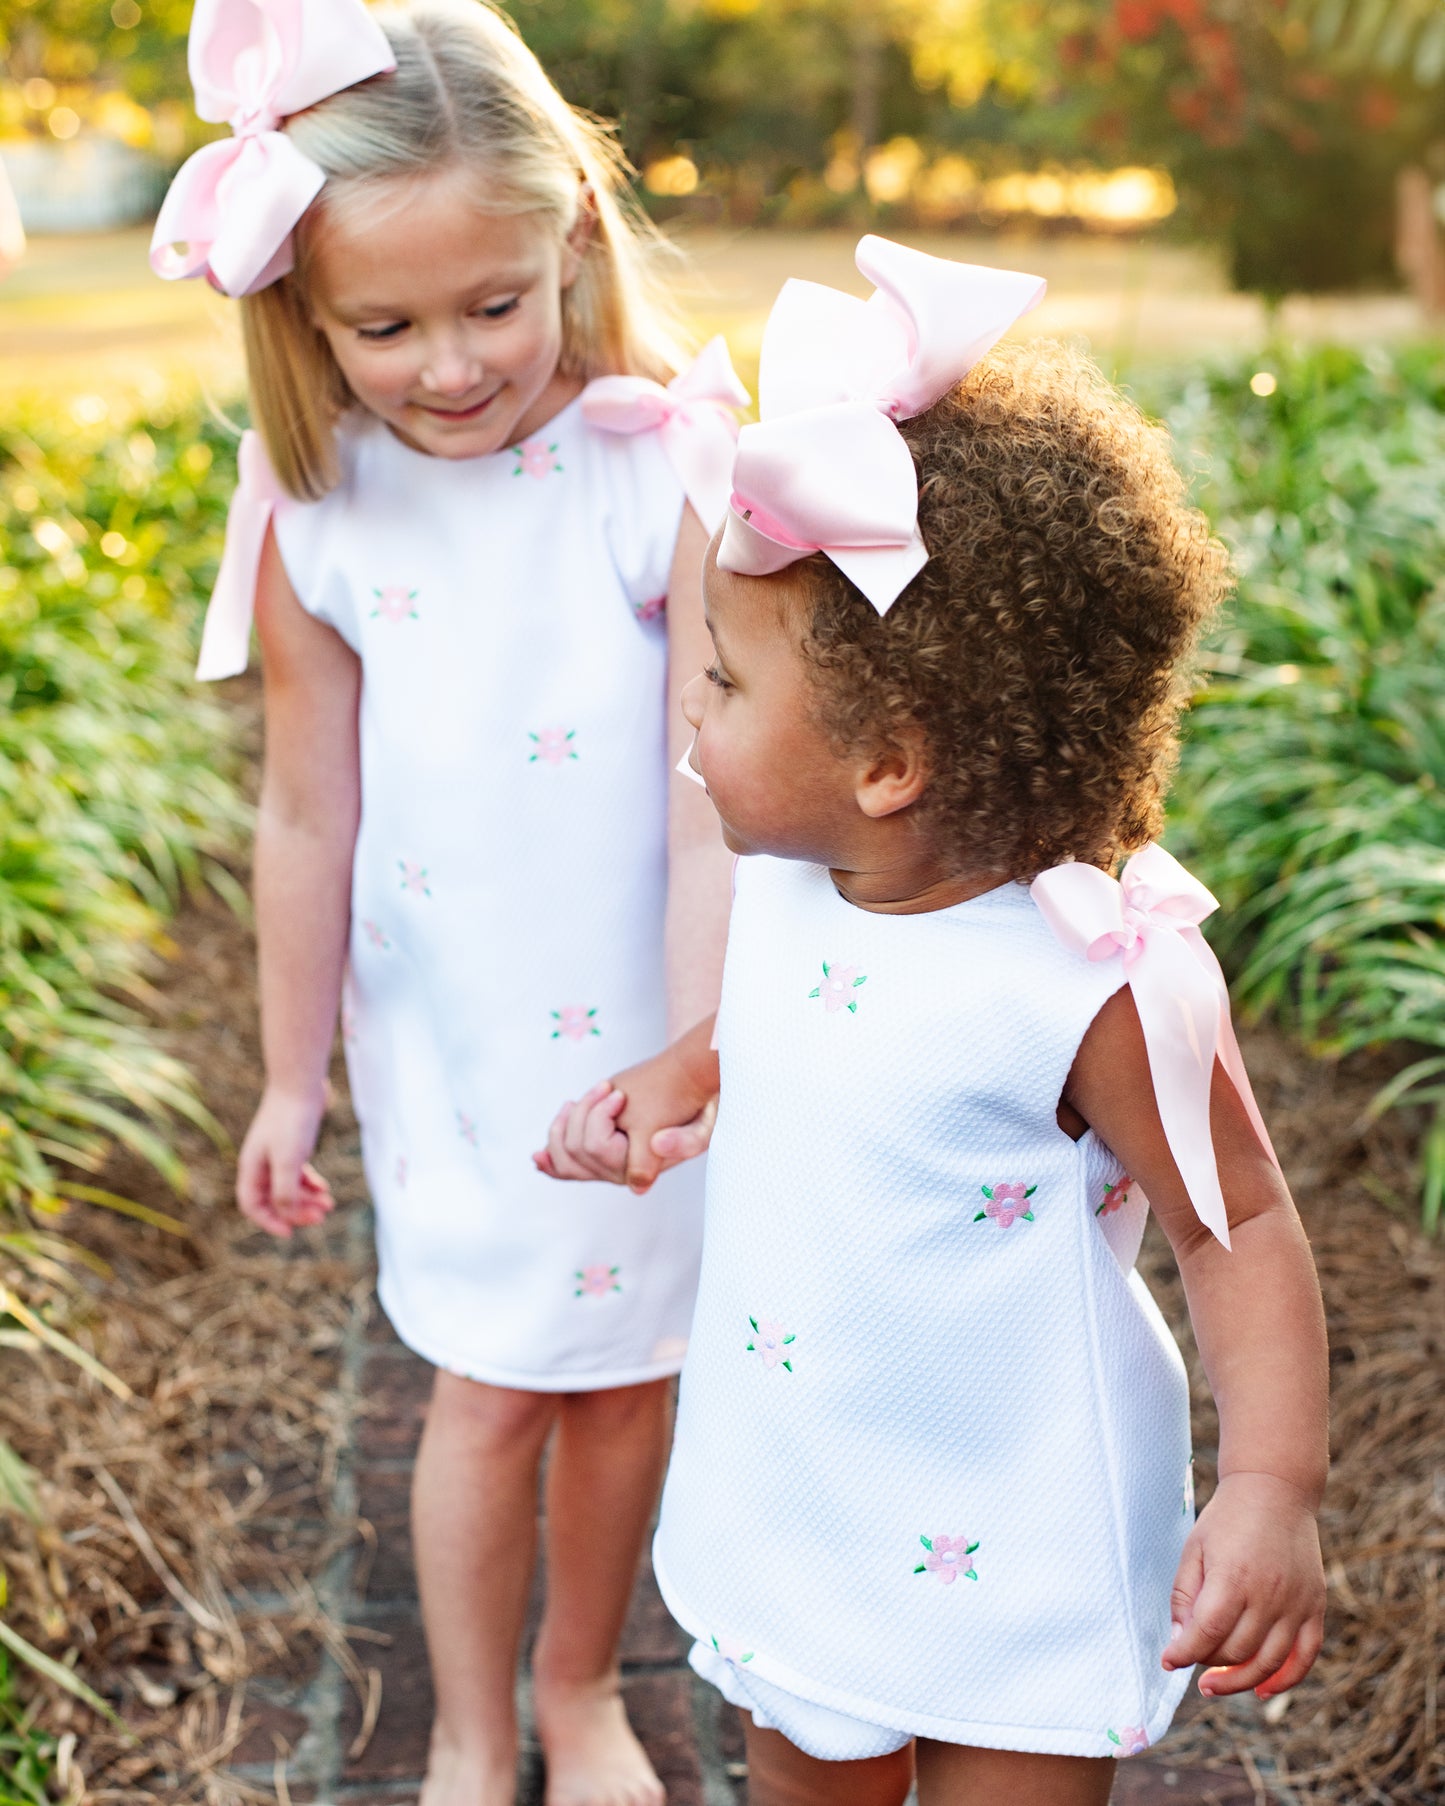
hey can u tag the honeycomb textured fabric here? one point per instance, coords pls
(509, 884)
(932, 1459)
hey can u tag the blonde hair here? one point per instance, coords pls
(466, 91)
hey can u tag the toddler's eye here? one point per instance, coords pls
(716, 678)
(381, 332)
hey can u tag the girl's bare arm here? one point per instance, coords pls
(305, 837)
(1249, 1596)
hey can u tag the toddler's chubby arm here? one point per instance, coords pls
(651, 1117)
(1249, 1596)
(305, 838)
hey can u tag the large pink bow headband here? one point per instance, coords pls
(826, 469)
(233, 206)
(1149, 919)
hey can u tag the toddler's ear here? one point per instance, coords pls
(893, 779)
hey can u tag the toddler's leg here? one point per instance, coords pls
(779, 1774)
(950, 1774)
(602, 1481)
(474, 1527)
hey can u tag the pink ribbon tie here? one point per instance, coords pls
(231, 211)
(1149, 917)
(693, 417)
(226, 638)
(826, 469)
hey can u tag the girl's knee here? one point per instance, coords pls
(618, 1408)
(489, 1413)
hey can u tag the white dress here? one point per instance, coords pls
(932, 1457)
(509, 884)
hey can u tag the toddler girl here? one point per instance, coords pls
(465, 526)
(930, 1508)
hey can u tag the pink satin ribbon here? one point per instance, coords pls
(826, 469)
(1149, 918)
(231, 211)
(693, 417)
(226, 638)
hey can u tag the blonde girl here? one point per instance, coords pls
(475, 573)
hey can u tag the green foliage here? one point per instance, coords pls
(1393, 36)
(27, 1753)
(139, 47)
(113, 799)
(1312, 793)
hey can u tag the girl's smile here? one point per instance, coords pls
(446, 319)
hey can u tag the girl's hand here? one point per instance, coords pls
(276, 1187)
(654, 1116)
(1249, 1597)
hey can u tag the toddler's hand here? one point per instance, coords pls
(1249, 1597)
(276, 1187)
(630, 1130)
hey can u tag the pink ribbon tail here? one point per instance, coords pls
(226, 638)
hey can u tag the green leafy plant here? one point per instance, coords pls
(1312, 790)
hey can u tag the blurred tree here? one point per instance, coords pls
(1394, 36)
(137, 45)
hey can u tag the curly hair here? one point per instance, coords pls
(1044, 651)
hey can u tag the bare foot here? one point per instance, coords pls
(456, 1777)
(593, 1757)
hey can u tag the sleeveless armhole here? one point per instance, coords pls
(644, 516)
(305, 532)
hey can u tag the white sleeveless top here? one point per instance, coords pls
(933, 1437)
(509, 884)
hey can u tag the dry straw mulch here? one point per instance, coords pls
(185, 1529)
(163, 1511)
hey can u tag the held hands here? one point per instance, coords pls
(276, 1187)
(631, 1129)
(1249, 1597)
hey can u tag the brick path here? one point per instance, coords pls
(303, 1735)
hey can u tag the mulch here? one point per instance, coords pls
(190, 1532)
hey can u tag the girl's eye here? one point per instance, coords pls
(381, 332)
(500, 309)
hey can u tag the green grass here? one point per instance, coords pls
(1312, 792)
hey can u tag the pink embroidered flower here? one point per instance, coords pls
(574, 1023)
(1132, 1740)
(772, 1342)
(1007, 1204)
(554, 745)
(401, 1170)
(376, 935)
(947, 1558)
(394, 603)
(839, 982)
(596, 1281)
(649, 611)
(466, 1128)
(732, 1651)
(535, 458)
(413, 877)
(1115, 1197)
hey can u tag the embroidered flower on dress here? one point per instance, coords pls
(596, 1281)
(1115, 1197)
(770, 1339)
(838, 981)
(732, 1651)
(535, 458)
(649, 611)
(395, 603)
(1132, 1740)
(947, 1558)
(553, 746)
(1007, 1204)
(574, 1023)
(376, 935)
(466, 1128)
(413, 877)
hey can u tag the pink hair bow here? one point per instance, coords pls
(226, 639)
(1149, 917)
(826, 469)
(693, 415)
(232, 208)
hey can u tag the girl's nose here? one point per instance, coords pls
(450, 369)
(693, 697)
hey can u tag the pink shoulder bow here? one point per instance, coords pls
(1149, 917)
(231, 210)
(693, 415)
(825, 469)
(226, 640)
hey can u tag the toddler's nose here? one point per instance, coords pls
(692, 700)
